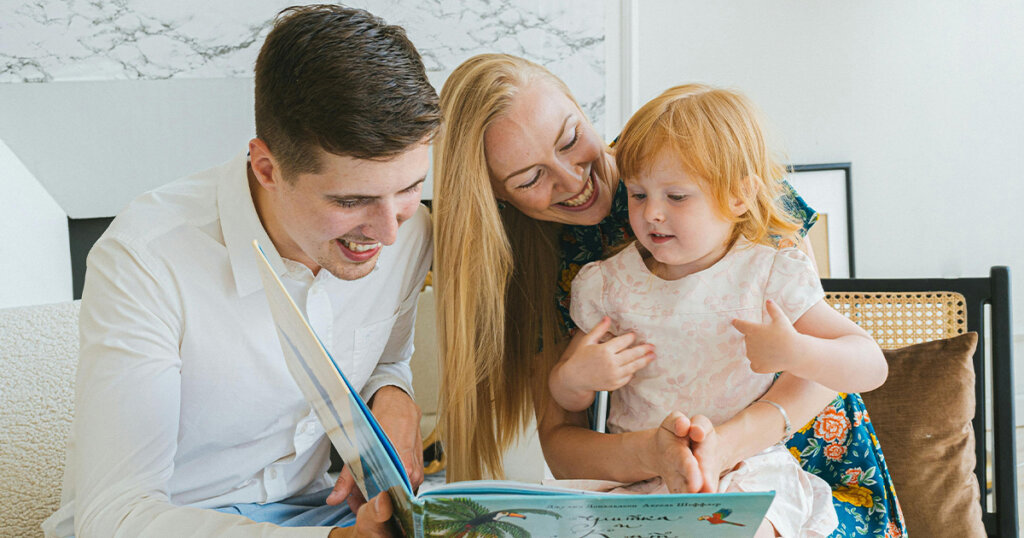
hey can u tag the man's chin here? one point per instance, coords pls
(349, 270)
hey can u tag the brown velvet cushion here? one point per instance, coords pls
(922, 415)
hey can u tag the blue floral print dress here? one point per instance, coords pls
(839, 445)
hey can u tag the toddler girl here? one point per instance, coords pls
(706, 286)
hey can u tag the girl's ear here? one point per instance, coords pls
(748, 191)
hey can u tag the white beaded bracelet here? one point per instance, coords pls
(785, 416)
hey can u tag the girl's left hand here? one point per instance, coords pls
(770, 346)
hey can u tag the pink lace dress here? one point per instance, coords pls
(701, 366)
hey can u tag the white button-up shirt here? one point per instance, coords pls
(183, 399)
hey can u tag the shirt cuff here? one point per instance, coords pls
(388, 374)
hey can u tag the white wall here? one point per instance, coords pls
(34, 258)
(922, 97)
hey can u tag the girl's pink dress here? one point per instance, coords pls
(701, 365)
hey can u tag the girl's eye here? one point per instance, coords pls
(575, 137)
(638, 196)
(677, 197)
(532, 182)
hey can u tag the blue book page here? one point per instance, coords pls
(612, 516)
(352, 429)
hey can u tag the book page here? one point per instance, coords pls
(353, 431)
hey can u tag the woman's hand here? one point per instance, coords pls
(706, 445)
(671, 456)
(589, 365)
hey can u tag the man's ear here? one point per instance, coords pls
(264, 165)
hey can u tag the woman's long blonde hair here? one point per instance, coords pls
(717, 136)
(496, 271)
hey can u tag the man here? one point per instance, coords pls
(187, 422)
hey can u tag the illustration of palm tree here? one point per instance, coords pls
(463, 518)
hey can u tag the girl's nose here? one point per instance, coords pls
(653, 212)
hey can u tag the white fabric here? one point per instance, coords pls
(701, 365)
(183, 397)
(38, 354)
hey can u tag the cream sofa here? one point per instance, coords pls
(38, 358)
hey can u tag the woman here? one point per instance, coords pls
(525, 193)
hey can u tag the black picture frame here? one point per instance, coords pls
(827, 188)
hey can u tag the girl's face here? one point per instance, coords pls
(545, 158)
(676, 220)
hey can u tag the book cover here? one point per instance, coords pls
(483, 508)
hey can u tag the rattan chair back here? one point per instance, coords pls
(899, 319)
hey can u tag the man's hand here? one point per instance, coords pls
(371, 521)
(770, 346)
(399, 417)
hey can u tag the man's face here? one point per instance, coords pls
(343, 216)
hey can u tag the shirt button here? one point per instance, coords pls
(273, 474)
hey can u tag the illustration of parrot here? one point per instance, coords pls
(719, 517)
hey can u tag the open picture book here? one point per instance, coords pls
(482, 508)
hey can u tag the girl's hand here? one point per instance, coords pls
(772, 346)
(671, 456)
(589, 365)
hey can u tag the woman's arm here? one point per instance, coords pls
(758, 427)
(573, 451)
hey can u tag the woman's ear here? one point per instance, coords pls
(263, 164)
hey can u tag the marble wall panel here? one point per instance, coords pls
(73, 40)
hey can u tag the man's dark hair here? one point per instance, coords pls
(342, 80)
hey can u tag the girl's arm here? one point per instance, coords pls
(822, 346)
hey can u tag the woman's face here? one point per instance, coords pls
(545, 158)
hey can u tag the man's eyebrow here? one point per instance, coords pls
(559, 137)
(362, 197)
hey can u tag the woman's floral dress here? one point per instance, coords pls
(839, 445)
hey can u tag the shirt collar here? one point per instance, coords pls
(240, 224)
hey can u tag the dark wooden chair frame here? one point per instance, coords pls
(994, 290)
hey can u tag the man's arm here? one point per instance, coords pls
(128, 396)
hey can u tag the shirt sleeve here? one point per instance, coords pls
(128, 394)
(796, 206)
(793, 283)
(587, 306)
(393, 367)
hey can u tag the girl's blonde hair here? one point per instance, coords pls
(496, 272)
(716, 134)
